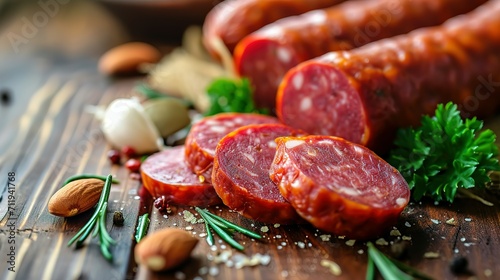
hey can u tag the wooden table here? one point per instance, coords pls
(46, 135)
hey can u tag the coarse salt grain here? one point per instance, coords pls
(468, 219)
(301, 244)
(325, 237)
(213, 271)
(179, 275)
(407, 224)
(381, 241)
(276, 225)
(333, 266)
(431, 255)
(435, 221)
(350, 242)
(264, 229)
(451, 222)
(395, 232)
(361, 251)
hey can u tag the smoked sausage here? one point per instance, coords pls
(365, 94)
(232, 20)
(205, 135)
(266, 55)
(241, 173)
(338, 186)
(165, 175)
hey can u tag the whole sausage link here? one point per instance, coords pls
(365, 94)
(266, 55)
(232, 20)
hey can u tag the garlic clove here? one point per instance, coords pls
(168, 114)
(125, 123)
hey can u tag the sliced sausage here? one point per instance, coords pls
(166, 175)
(232, 20)
(338, 186)
(205, 135)
(266, 55)
(365, 94)
(241, 173)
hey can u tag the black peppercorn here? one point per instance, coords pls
(5, 96)
(459, 265)
(118, 219)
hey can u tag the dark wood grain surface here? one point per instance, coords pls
(47, 135)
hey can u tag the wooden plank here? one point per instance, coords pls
(59, 139)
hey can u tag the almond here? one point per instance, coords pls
(75, 197)
(126, 58)
(165, 249)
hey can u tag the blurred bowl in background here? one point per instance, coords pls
(161, 21)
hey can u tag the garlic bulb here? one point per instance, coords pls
(124, 123)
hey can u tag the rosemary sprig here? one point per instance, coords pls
(142, 227)
(390, 269)
(245, 231)
(223, 228)
(88, 176)
(97, 223)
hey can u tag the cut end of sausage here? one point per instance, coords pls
(319, 99)
(166, 174)
(264, 61)
(339, 186)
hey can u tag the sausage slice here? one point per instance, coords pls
(205, 135)
(339, 186)
(241, 173)
(165, 174)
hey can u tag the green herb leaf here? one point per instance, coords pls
(89, 176)
(390, 269)
(142, 227)
(223, 228)
(228, 95)
(97, 223)
(148, 92)
(444, 154)
(151, 93)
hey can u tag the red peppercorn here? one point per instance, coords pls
(133, 165)
(129, 152)
(114, 156)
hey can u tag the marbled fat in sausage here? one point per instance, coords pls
(232, 20)
(338, 186)
(205, 135)
(241, 173)
(266, 55)
(365, 94)
(165, 174)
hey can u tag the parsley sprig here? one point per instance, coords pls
(228, 95)
(445, 154)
